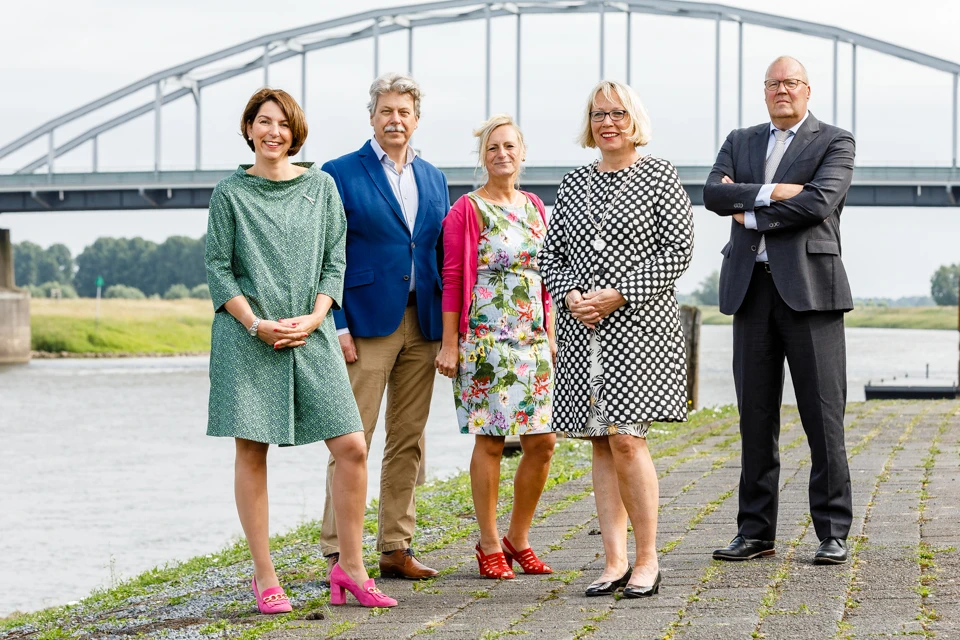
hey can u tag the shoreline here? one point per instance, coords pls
(56, 355)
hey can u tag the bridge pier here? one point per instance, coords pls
(14, 309)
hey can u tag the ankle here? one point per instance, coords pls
(490, 546)
(519, 542)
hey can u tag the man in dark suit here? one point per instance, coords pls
(390, 322)
(784, 183)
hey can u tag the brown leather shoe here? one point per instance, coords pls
(403, 564)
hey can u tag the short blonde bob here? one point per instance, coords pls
(486, 129)
(638, 132)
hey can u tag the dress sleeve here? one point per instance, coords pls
(555, 256)
(218, 252)
(672, 256)
(335, 246)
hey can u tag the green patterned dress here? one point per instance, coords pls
(279, 244)
(505, 378)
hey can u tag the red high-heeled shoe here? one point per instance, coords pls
(494, 565)
(527, 559)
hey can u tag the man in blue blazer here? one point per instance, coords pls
(390, 322)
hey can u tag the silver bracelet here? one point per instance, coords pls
(253, 327)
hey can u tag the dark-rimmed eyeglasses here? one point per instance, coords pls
(789, 84)
(616, 115)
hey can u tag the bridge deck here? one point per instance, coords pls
(21, 193)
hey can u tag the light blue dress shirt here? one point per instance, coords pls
(763, 196)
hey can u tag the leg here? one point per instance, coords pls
(409, 392)
(368, 378)
(528, 484)
(816, 351)
(640, 493)
(250, 489)
(349, 499)
(758, 374)
(610, 511)
(485, 483)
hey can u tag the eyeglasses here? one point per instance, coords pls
(616, 115)
(789, 84)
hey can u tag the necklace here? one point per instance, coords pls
(598, 242)
(492, 200)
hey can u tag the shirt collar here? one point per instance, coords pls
(794, 128)
(381, 154)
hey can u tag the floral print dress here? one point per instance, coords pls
(505, 379)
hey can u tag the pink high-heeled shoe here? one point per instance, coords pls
(272, 600)
(369, 595)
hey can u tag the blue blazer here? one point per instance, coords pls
(380, 247)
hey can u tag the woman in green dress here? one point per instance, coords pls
(498, 343)
(275, 258)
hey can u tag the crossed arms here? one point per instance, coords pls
(792, 206)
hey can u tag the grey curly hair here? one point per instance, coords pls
(394, 82)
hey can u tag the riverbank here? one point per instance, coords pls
(141, 328)
(900, 581)
(944, 318)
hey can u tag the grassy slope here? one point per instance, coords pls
(126, 326)
(875, 317)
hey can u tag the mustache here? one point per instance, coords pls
(394, 128)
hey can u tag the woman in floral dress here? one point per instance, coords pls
(498, 342)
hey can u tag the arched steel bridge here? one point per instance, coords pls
(31, 190)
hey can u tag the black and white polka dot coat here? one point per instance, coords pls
(649, 242)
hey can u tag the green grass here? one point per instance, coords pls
(125, 326)
(874, 317)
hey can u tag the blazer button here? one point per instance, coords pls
(753, 247)
(406, 277)
(413, 245)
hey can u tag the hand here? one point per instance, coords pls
(281, 336)
(573, 300)
(447, 361)
(553, 349)
(305, 324)
(726, 180)
(785, 191)
(597, 305)
(348, 347)
(738, 217)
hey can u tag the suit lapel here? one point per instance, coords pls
(809, 130)
(758, 152)
(372, 164)
(423, 201)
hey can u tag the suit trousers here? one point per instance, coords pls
(403, 364)
(765, 330)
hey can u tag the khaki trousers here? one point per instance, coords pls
(403, 364)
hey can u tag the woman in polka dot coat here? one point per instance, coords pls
(620, 235)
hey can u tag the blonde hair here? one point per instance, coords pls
(638, 133)
(486, 129)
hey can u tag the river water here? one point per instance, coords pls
(106, 471)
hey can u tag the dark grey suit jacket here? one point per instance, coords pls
(803, 233)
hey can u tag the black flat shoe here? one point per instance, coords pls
(831, 551)
(608, 588)
(634, 591)
(745, 549)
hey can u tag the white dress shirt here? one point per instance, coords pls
(763, 196)
(404, 185)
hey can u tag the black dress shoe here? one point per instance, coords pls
(608, 588)
(634, 591)
(745, 549)
(831, 551)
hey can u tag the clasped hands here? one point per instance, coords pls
(783, 191)
(593, 306)
(289, 333)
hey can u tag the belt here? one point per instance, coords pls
(412, 299)
(765, 266)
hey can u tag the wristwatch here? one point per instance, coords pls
(253, 327)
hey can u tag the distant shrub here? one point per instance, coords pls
(35, 291)
(66, 290)
(177, 292)
(154, 296)
(123, 291)
(201, 292)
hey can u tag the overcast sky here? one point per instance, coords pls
(58, 55)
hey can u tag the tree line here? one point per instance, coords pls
(141, 264)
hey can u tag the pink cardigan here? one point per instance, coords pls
(461, 240)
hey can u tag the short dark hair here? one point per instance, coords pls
(294, 114)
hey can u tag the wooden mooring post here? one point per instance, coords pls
(690, 318)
